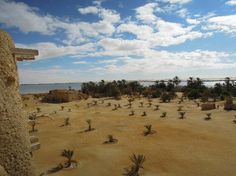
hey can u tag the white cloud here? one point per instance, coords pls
(162, 33)
(146, 13)
(153, 62)
(225, 24)
(193, 21)
(80, 62)
(89, 10)
(176, 1)
(141, 31)
(51, 50)
(231, 2)
(182, 13)
(148, 64)
(25, 18)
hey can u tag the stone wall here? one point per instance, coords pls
(14, 138)
(59, 96)
(208, 106)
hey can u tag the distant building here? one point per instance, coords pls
(60, 96)
(207, 107)
(229, 105)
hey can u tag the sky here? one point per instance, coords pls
(91, 40)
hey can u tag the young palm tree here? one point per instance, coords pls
(38, 110)
(115, 107)
(67, 121)
(148, 130)
(131, 113)
(95, 102)
(137, 164)
(163, 115)
(62, 108)
(32, 116)
(157, 107)
(179, 108)
(89, 122)
(149, 104)
(182, 115)
(110, 140)
(144, 113)
(88, 105)
(68, 154)
(129, 105)
(208, 116)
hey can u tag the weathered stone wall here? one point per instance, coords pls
(59, 96)
(206, 107)
(14, 138)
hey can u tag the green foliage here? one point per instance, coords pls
(137, 164)
(68, 154)
(111, 89)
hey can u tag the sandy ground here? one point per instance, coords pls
(188, 147)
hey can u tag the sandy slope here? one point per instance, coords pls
(191, 147)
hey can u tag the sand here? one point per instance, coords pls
(190, 147)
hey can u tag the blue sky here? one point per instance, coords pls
(119, 39)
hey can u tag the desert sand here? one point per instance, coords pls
(191, 146)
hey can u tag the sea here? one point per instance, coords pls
(45, 88)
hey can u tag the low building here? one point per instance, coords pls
(208, 106)
(229, 104)
(60, 96)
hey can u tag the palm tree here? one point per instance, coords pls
(67, 121)
(130, 105)
(32, 116)
(95, 102)
(62, 108)
(89, 122)
(176, 80)
(148, 130)
(115, 107)
(110, 140)
(68, 154)
(88, 105)
(137, 164)
(163, 115)
(180, 108)
(131, 113)
(108, 104)
(182, 115)
(208, 116)
(38, 110)
(157, 107)
(144, 113)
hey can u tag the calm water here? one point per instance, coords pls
(44, 88)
